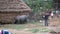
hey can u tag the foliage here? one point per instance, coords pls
(39, 6)
(36, 4)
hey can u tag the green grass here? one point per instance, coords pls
(37, 23)
(39, 27)
(44, 30)
(12, 26)
(34, 30)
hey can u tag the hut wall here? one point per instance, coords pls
(9, 17)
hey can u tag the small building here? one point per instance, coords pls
(57, 4)
(9, 9)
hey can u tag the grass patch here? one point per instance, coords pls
(44, 30)
(34, 30)
(41, 30)
(37, 23)
(38, 27)
(18, 27)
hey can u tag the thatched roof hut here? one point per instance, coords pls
(11, 8)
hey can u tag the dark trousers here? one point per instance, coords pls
(46, 22)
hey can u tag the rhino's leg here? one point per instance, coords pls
(15, 21)
(21, 21)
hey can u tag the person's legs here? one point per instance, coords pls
(46, 22)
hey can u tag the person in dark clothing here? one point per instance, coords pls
(46, 19)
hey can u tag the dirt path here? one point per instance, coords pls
(54, 22)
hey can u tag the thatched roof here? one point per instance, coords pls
(13, 5)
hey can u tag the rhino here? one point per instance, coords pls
(21, 19)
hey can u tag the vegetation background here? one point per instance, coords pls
(38, 6)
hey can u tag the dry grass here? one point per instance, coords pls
(29, 28)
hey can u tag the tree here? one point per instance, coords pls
(38, 6)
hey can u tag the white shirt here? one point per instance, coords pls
(52, 14)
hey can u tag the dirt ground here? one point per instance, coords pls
(25, 29)
(32, 28)
(55, 21)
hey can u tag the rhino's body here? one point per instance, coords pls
(21, 19)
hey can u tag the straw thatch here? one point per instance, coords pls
(9, 9)
(13, 5)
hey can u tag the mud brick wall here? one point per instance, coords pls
(9, 9)
(9, 17)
